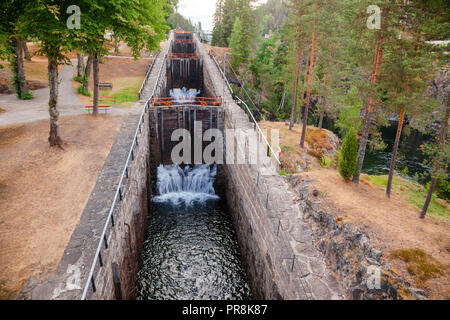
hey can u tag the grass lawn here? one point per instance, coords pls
(415, 194)
(125, 90)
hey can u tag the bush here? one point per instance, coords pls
(325, 162)
(348, 157)
(83, 92)
(27, 96)
(443, 189)
(78, 79)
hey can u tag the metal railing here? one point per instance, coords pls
(147, 75)
(171, 101)
(260, 133)
(118, 196)
(184, 56)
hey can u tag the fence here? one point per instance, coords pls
(170, 101)
(147, 75)
(118, 197)
(260, 134)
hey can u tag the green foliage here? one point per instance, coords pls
(27, 96)
(348, 160)
(349, 114)
(177, 21)
(239, 50)
(78, 79)
(124, 95)
(442, 189)
(325, 162)
(419, 263)
(414, 194)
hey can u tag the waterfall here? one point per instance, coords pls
(185, 186)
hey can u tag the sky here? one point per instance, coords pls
(200, 10)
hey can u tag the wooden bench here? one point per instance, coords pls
(105, 85)
(100, 108)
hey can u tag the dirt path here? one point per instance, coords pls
(391, 224)
(43, 191)
(24, 111)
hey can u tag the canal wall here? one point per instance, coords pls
(115, 270)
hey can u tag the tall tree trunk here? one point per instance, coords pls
(116, 46)
(87, 73)
(23, 88)
(96, 82)
(394, 152)
(25, 50)
(302, 101)
(308, 94)
(436, 163)
(322, 110)
(369, 109)
(53, 138)
(297, 69)
(80, 65)
(322, 113)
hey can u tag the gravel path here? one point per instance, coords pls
(23, 111)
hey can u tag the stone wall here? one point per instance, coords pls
(276, 244)
(363, 272)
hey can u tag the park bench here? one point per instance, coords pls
(100, 108)
(103, 99)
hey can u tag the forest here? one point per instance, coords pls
(356, 67)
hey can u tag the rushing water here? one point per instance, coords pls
(183, 94)
(191, 250)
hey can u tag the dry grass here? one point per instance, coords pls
(419, 264)
(43, 192)
(36, 69)
(126, 76)
(392, 224)
(292, 155)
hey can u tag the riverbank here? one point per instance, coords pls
(393, 225)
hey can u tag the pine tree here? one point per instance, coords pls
(12, 41)
(348, 158)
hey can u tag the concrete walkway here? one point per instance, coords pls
(24, 111)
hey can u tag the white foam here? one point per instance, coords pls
(188, 186)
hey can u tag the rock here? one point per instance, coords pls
(417, 293)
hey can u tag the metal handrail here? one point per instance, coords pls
(118, 194)
(248, 111)
(170, 101)
(260, 131)
(149, 71)
(221, 71)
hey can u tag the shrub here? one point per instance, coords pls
(83, 92)
(348, 158)
(443, 189)
(78, 79)
(27, 96)
(325, 162)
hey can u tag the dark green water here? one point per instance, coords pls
(410, 155)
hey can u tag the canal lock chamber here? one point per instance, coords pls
(190, 250)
